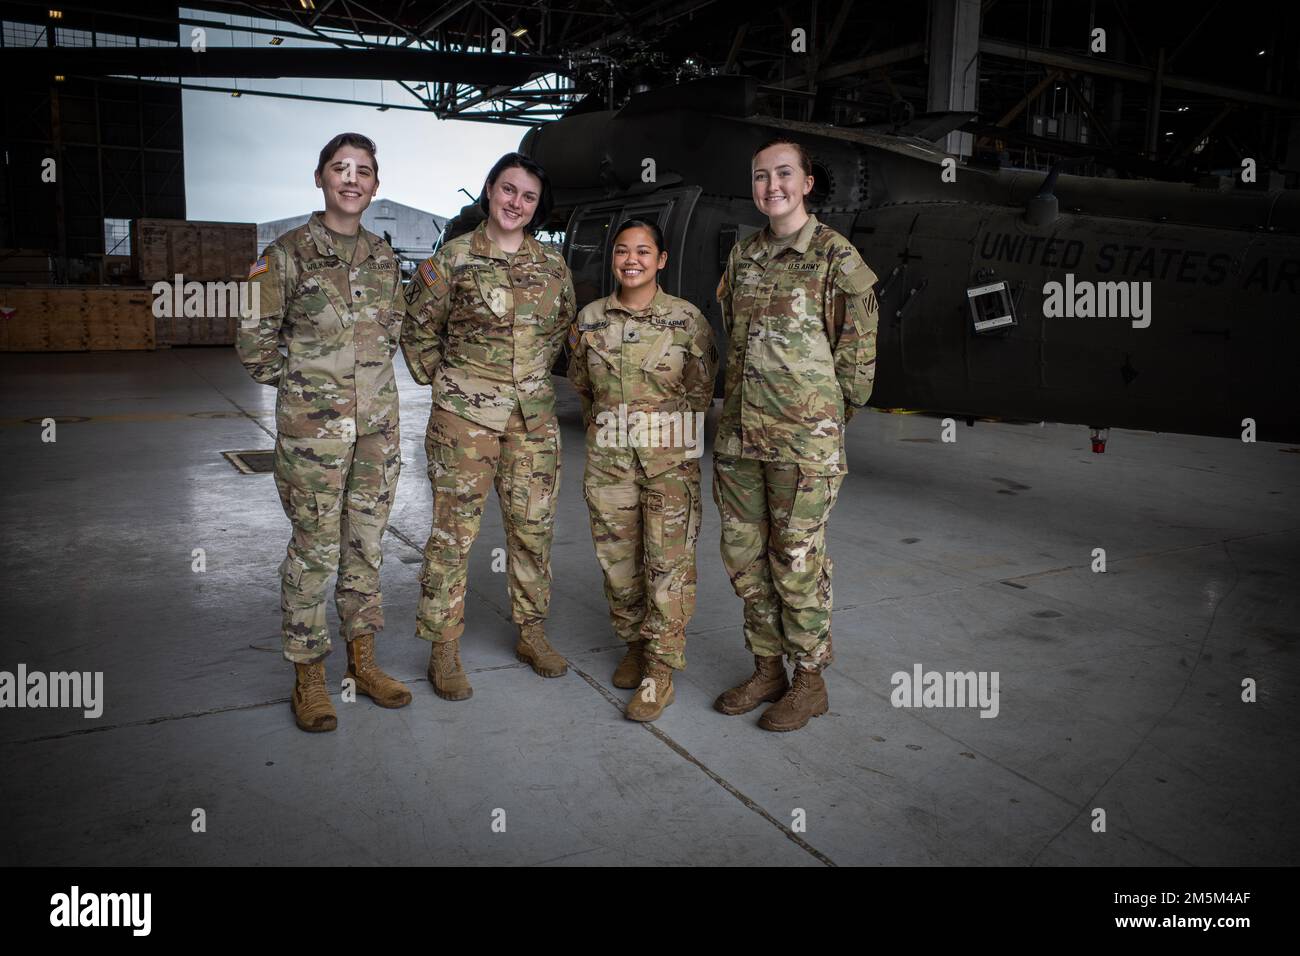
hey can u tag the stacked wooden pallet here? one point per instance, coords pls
(162, 249)
(20, 266)
(75, 319)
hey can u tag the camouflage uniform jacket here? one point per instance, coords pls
(484, 328)
(660, 359)
(340, 326)
(802, 351)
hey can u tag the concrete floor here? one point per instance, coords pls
(1118, 690)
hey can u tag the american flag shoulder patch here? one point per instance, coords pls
(430, 277)
(258, 267)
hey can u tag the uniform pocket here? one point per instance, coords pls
(533, 481)
(653, 511)
(814, 497)
(310, 474)
(291, 571)
(541, 485)
(393, 466)
(811, 502)
(694, 514)
(446, 505)
(390, 320)
(496, 295)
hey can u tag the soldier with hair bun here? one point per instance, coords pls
(800, 312)
(643, 363)
(330, 292)
(486, 317)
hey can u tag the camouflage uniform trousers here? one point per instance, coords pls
(774, 548)
(645, 531)
(336, 494)
(466, 460)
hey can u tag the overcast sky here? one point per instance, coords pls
(251, 158)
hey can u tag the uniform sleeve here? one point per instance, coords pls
(725, 285)
(428, 303)
(564, 321)
(701, 366)
(855, 312)
(579, 375)
(258, 341)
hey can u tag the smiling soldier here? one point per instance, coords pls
(330, 292)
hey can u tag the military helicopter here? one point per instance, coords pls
(1004, 294)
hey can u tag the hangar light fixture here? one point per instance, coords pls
(236, 93)
(519, 32)
(276, 41)
(58, 15)
(307, 4)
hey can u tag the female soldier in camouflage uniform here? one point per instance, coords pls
(642, 352)
(800, 313)
(330, 291)
(485, 318)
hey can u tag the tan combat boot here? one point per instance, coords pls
(656, 691)
(370, 680)
(766, 684)
(806, 699)
(534, 651)
(445, 671)
(628, 673)
(312, 709)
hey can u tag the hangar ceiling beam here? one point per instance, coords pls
(379, 63)
(1127, 71)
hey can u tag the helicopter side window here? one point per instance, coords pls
(587, 248)
(991, 307)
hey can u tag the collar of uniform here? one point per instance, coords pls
(320, 235)
(481, 244)
(659, 305)
(759, 248)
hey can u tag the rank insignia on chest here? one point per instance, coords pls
(258, 267)
(631, 335)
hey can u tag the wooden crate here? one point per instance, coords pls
(22, 266)
(179, 330)
(163, 248)
(75, 319)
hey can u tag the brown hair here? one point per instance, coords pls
(805, 161)
(347, 139)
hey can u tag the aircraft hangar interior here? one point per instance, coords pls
(891, 411)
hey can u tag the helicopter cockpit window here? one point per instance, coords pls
(991, 307)
(587, 248)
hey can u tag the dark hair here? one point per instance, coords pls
(544, 202)
(347, 139)
(651, 227)
(805, 161)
